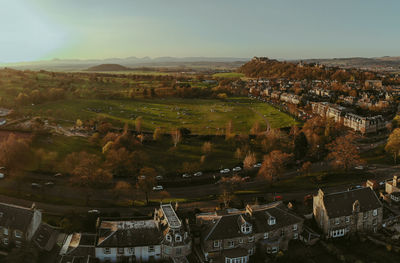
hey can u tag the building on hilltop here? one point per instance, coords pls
(342, 213)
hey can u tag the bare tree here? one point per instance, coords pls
(176, 136)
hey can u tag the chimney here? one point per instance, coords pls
(356, 206)
(395, 180)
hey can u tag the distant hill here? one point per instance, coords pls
(109, 67)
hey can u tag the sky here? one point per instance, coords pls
(286, 29)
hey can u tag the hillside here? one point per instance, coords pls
(262, 67)
(108, 67)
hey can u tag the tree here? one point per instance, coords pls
(226, 197)
(249, 160)
(393, 144)
(256, 129)
(176, 136)
(164, 195)
(344, 153)
(122, 188)
(138, 124)
(157, 134)
(207, 148)
(300, 146)
(229, 131)
(275, 139)
(305, 168)
(273, 165)
(12, 151)
(147, 182)
(119, 161)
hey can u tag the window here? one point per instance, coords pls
(5, 241)
(241, 241)
(295, 235)
(375, 212)
(251, 251)
(132, 250)
(265, 235)
(178, 238)
(251, 239)
(231, 244)
(5, 231)
(178, 251)
(365, 215)
(106, 250)
(246, 228)
(337, 221)
(294, 227)
(282, 232)
(374, 222)
(347, 219)
(18, 243)
(17, 234)
(216, 243)
(271, 221)
(151, 249)
(274, 249)
(168, 237)
(120, 250)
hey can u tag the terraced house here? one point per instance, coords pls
(164, 237)
(342, 213)
(18, 224)
(233, 236)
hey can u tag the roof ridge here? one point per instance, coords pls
(213, 228)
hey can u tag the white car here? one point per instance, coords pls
(142, 177)
(225, 171)
(158, 188)
(50, 183)
(94, 211)
(57, 175)
(257, 165)
(1, 175)
(198, 174)
(186, 176)
(360, 167)
(237, 169)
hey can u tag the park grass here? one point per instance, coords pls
(201, 116)
(377, 155)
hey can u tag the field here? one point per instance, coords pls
(200, 116)
(228, 75)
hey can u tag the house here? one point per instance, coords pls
(364, 125)
(78, 247)
(18, 224)
(342, 213)
(393, 189)
(163, 237)
(235, 235)
(373, 84)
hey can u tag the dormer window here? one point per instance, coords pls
(272, 221)
(246, 228)
(178, 238)
(375, 212)
(168, 237)
(265, 235)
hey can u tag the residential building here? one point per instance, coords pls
(342, 213)
(393, 188)
(234, 235)
(18, 224)
(163, 237)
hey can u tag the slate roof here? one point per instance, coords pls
(341, 203)
(15, 217)
(46, 237)
(118, 234)
(225, 226)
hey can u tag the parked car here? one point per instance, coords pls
(2, 176)
(2, 168)
(186, 176)
(158, 188)
(142, 177)
(237, 169)
(198, 174)
(359, 167)
(50, 183)
(94, 211)
(257, 165)
(159, 177)
(57, 175)
(35, 185)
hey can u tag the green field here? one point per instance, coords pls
(201, 116)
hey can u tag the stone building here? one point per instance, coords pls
(342, 213)
(235, 235)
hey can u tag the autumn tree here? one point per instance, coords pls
(122, 188)
(300, 146)
(306, 168)
(229, 131)
(157, 134)
(226, 198)
(176, 136)
(275, 139)
(138, 124)
(207, 148)
(393, 144)
(119, 161)
(14, 153)
(256, 128)
(273, 165)
(343, 153)
(249, 160)
(147, 182)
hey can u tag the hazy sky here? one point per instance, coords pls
(45, 29)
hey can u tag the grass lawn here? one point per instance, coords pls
(201, 116)
(377, 155)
